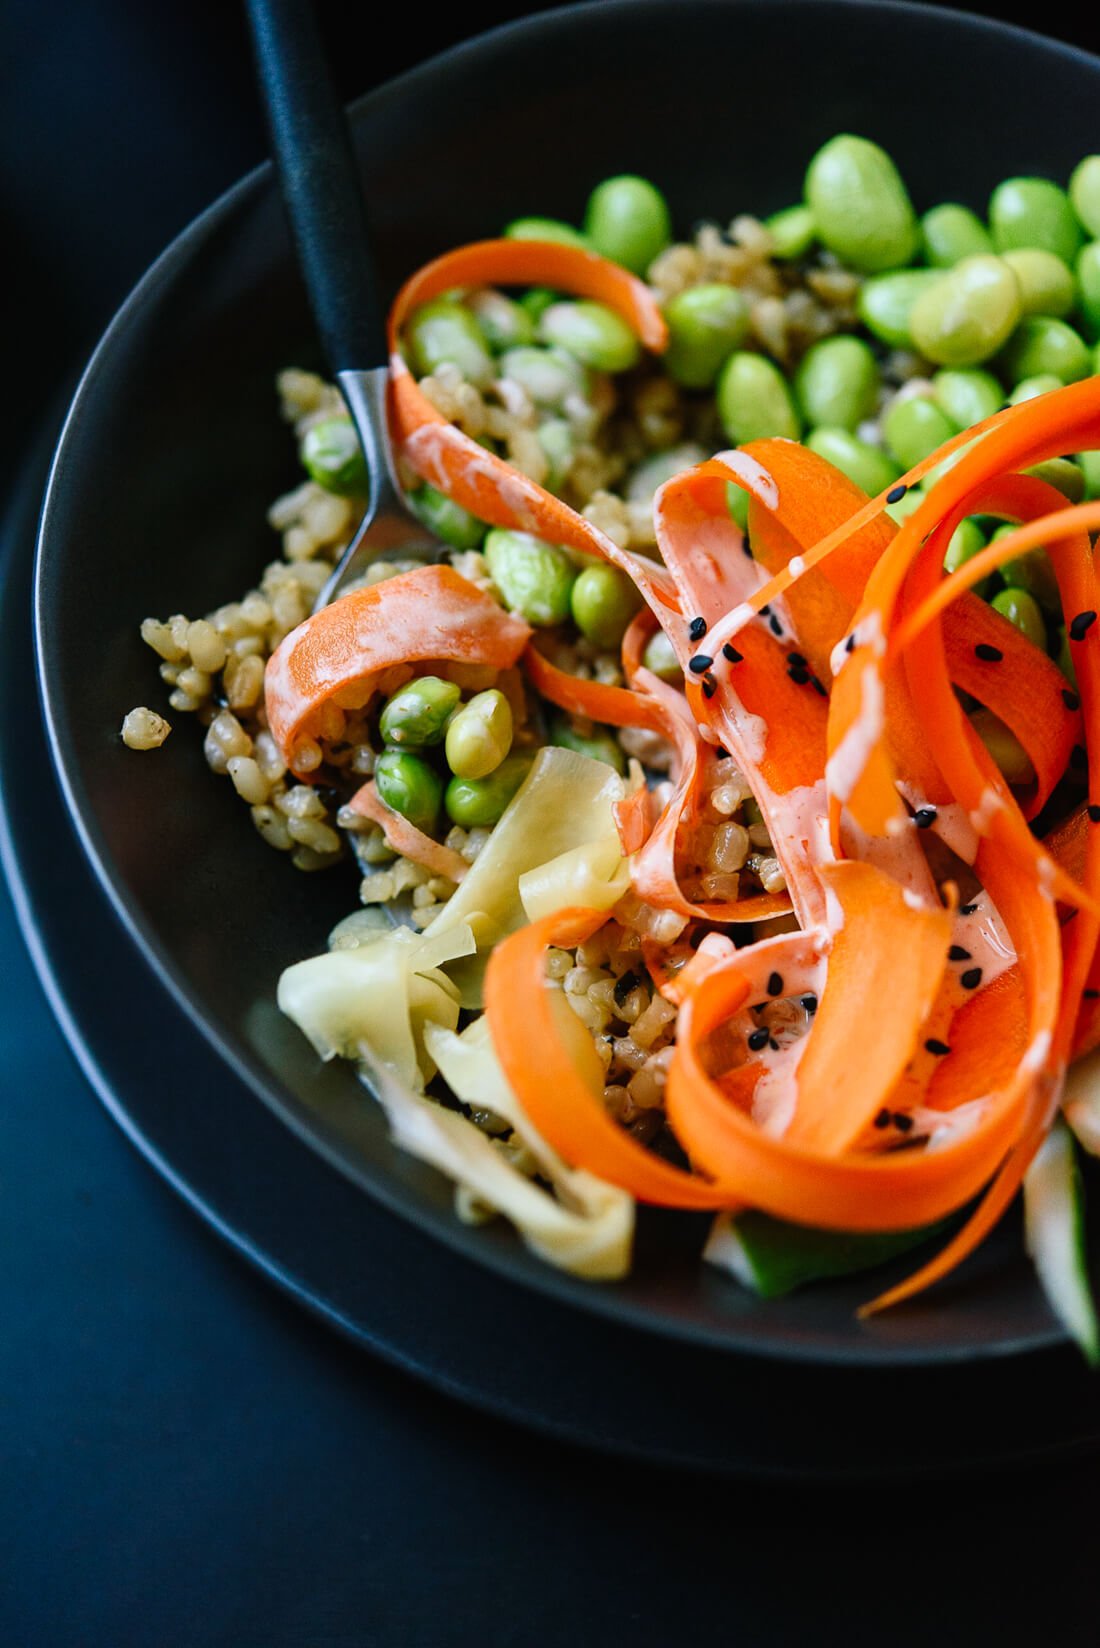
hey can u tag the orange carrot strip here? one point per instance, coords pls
(421, 616)
(613, 706)
(885, 967)
(568, 1114)
(405, 838)
(490, 488)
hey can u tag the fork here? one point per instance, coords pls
(328, 222)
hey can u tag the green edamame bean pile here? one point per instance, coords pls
(869, 326)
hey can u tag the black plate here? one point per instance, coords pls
(392, 1289)
(172, 450)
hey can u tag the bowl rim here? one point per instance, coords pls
(262, 1081)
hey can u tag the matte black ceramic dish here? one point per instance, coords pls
(393, 1289)
(173, 449)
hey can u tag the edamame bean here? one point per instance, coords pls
(1088, 285)
(1047, 286)
(1064, 474)
(1042, 345)
(627, 220)
(448, 520)
(549, 376)
(410, 787)
(1031, 572)
(603, 601)
(555, 436)
(865, 465)
(885, 303)
(967, 396)
(1032, 211)
(536, 301)
(860, 205)
(705, 324)
(417, 712)
(331, 455)
(477, 803)
(535, 578)
(1003, 745)
(660, 657)
(1029, 388)
(592, 333)
(1022, 609)
(968, 314)
(479, 736)
(444, 332)
(754, 399)
(737, 502)
(1084, 192)
(1089, 465)
(504, 324)
(950, 233)
(913, 427)
(652, 473)
(962, 546)
(547, 228)
(598, 744)
(793, 232)
(837, 382)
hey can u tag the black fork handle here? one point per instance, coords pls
(319, 181)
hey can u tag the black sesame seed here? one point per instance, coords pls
(957, 953)
(697, 628)
(764, 611)
(1070, 699)
(809, 1003)
(937, 1047)
(624, 985)
(774, 1045)
(723, 752)
(731, 653)
(710, 686)
(775, 984)
(971, 979)
(746, 547)
(700, 663)
(1078, 756)
(799, 675)
(795, 658)
(902, 1122)
(818, 688)
(896, 493)
(967, 909)
(775, 626)
(1081, 625)
(759, 1038)
(850, 644)
(991, 655)
(1094, 813)
(882, 1119)
(1091, 995)
(925, 817)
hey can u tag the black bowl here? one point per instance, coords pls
(173, 449)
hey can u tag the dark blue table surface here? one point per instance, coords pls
(185, 1458)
